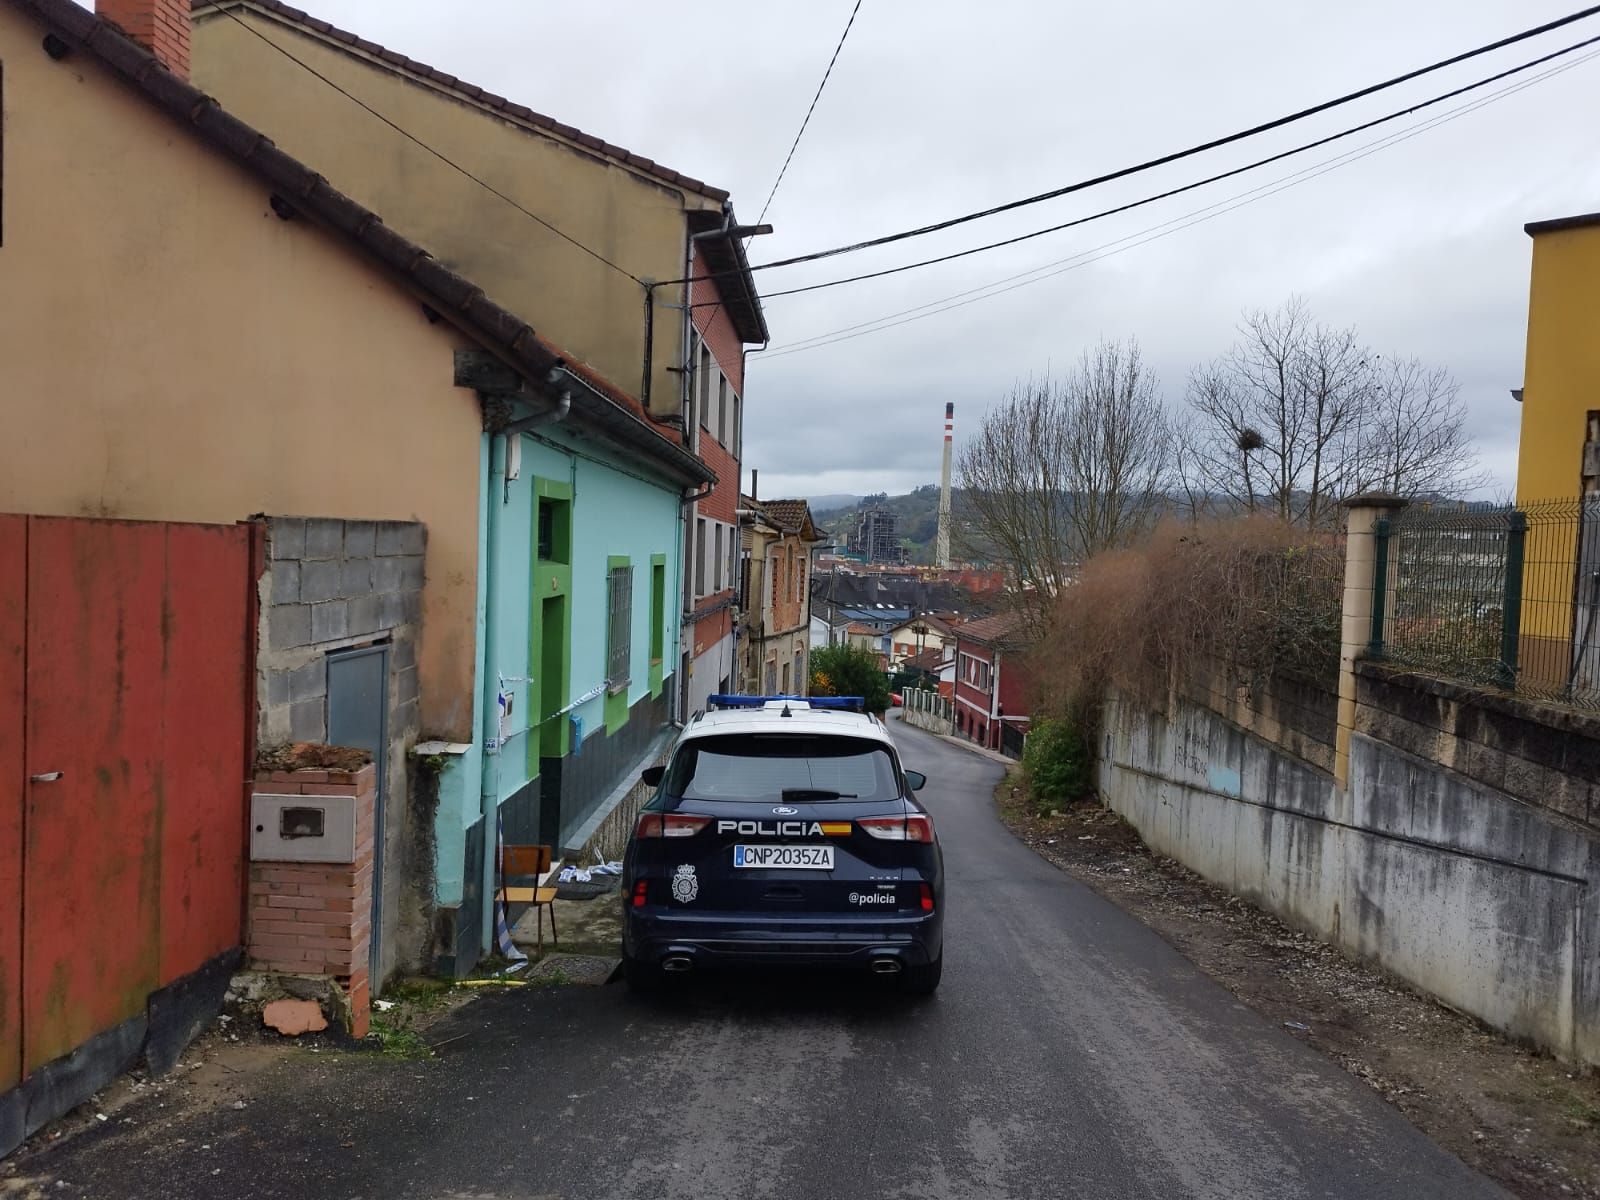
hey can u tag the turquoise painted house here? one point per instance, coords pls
(586, 471)
(580, 568)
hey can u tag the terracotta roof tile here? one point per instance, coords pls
(1002, 629)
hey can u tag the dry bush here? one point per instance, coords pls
(1253, 596)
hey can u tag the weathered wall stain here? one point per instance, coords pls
(1477, 896)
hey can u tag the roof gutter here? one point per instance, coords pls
(551, 416)
(733, 235)
(624, 427)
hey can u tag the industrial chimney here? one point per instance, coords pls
(944, 490)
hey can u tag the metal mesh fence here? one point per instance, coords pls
(1502, 597)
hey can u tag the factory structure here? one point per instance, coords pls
(875, 536)
(873, 532)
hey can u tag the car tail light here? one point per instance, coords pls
(915, 828)
(641, 893)
(927, 898)
(669, 825)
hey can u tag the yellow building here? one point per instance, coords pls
(775, 627)
(1558, 459)
(1561, 384)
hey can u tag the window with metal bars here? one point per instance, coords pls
(619, 635)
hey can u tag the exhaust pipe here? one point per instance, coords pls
(677, 963)
(886, 966)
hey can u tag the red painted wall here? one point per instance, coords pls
(1015, 684)
(715, 326)
(724, 498)
(13, 577)
(139, 649)
(969, 695)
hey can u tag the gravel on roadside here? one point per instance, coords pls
(1523, 1118)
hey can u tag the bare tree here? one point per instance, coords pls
(1417, 441)
(1117, 446)
(1283, 414)
(1059, 471)
(1011, 479)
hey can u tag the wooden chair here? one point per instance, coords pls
(530, 862)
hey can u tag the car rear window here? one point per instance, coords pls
(762, 767)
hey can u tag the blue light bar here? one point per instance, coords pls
(847, 703)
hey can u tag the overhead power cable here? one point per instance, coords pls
(1199, 183)
(809, 111)
(1083, 258)
(411, 137)
(1177, 155)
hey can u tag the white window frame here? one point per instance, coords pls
(703, 385)
(717, 569)
(699, 557)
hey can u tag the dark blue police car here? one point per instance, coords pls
(784, 830)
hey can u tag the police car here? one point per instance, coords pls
(784, 830)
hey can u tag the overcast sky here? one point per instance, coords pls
(938, 107)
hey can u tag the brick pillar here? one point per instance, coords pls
(1356, 625)
(316, 918)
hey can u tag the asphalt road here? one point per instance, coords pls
(1070, 1053)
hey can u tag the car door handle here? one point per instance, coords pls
(47, 777)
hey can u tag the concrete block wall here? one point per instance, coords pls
(316, 918)
(1544, 756)
(1296, 714)
(333, 585)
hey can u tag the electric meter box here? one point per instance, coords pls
(319, 829)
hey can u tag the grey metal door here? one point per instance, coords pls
(358, 716)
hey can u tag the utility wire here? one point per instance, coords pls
(411, 137)
(1199, 183)
(1177, 155)
(809, 111)
(1153, 233)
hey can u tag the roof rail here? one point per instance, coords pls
(846, 703)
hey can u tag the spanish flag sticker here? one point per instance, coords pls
(836, 828)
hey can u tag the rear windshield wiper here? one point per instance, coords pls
(816, 794)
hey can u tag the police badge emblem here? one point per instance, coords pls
(685, 887)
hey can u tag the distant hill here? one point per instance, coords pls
(825, 503)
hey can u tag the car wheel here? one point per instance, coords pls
(923, 980)
(643, 978)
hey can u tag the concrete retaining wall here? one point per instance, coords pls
(1479, 897)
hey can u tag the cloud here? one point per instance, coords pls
(930, 112)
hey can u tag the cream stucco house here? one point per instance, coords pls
(198, 326)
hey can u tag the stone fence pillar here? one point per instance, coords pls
(1361, 518)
